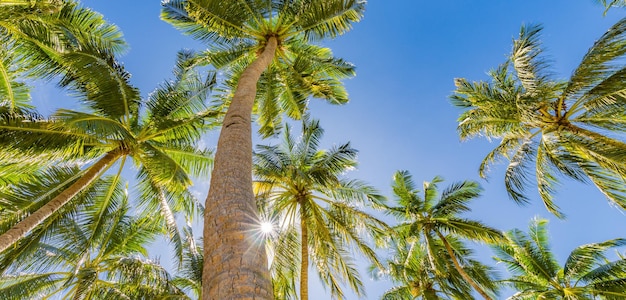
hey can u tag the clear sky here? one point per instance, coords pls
(407, 54)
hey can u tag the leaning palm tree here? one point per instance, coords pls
(536, 274)
(548, 127)
(411, 270)
(99, 252)
(304, 189)
(161, 140)
(268, 41)
(435, 220)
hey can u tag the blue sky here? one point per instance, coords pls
(407, 54)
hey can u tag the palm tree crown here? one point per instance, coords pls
(411, 269)
(548, 127)
(238, 31)
(304, 189)
(161, 140)
(434, 219)
(587, 272)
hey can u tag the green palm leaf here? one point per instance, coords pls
(553, 128)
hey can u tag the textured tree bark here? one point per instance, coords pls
(458, 267)
(27, 224)
(235, 264)
(304, 266)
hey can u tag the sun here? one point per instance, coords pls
(267, 227)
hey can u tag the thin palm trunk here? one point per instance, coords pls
(458, 267)
(166, 211)
(29, 223)
(304, 266)
(235, 265)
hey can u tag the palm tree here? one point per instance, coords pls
(99, 252)
(34, 38)
(572, 128)
(434, 219)
(257, 41)
(161, 140)
(304, 189)
(410, 268)
(536, 274)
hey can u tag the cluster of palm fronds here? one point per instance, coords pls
(72, 224)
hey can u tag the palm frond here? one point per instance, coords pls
(526, 57)
(209, 20)
(454, 198)
(28, 285)
(598, 63)
(162, 169)
(14, 92)
(317, 20)
(110, 94)
(583, 258)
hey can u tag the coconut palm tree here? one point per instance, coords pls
(305, 189)
(435, 219)
(254, 38)
(547, 127)
(35, 36)
(161, 140)
(410, 268)
(536, 274)
(79, 261)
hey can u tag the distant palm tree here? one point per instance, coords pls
(410, 268)
(161, 139)
(536, 274)
(435, 220)
(305, 189)
(266, 44)
(98, 253)
(549, 128)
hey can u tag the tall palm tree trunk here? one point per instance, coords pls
(458, 267)
(29, 223)
(235, 265)
(304, 265)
